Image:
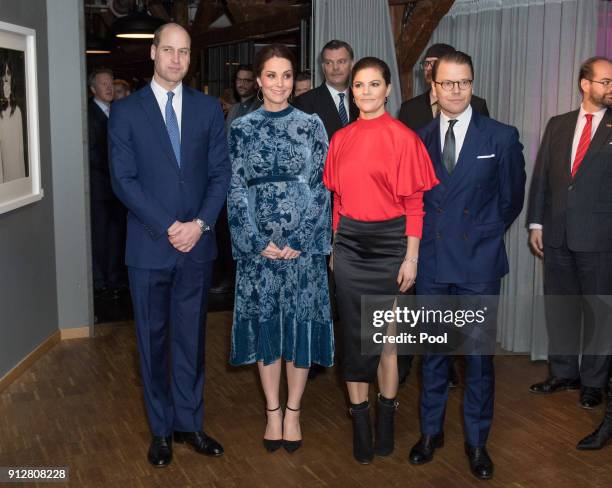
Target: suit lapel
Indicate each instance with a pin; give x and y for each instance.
(153, 112)
(565, 139)
(353, 110)
(435, 153)
(188, 115)
(474, 139)
(427, 113)
(601, 137)
(328, 102)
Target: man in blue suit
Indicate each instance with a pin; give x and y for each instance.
(481, 169)
(170, 167)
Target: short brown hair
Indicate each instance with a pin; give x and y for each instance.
(272, 51)
(586, 69)
(336, 44)
(456, 57)
(119, 81)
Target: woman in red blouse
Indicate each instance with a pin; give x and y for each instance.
(377, 169)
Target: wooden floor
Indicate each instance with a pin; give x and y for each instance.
(81, 406)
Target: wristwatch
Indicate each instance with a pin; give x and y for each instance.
(204, 227)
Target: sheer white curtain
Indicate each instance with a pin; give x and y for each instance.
(366, 26)
(604, 32)
(526, 57)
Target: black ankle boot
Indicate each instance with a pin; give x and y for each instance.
(385, 425)
(363, 450)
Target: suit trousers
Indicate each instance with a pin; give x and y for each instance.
(170, 314)
(568, 275)
(479, 375)
(108, 229)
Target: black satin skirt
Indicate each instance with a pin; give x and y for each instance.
(367, 259)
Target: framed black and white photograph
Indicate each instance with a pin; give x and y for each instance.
(19, 139)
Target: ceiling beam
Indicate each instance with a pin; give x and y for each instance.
(180, 12)
(254, 29)
(413, 33)
(158, 10)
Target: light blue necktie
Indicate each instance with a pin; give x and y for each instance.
(173, 128)
(342, 110)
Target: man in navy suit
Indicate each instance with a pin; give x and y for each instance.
(481, 169)
(171, 169)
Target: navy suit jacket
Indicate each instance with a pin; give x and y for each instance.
(147, 179)
(99, 173)
(468, 213)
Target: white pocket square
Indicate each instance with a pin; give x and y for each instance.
(485, 156)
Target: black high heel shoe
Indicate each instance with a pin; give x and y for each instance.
(272, 445)
(292, 446)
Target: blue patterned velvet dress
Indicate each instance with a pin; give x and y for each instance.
(277, 195)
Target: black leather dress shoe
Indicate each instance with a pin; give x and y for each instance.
(160, 452)
(590, 397)
(481, 465)
(554, 384)
(200, 442)
(422, 452)
(597, 439)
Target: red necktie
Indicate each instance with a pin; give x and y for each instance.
(583, 144)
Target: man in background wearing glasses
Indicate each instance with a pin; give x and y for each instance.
(421, 110)
(244, 87)
(570, 228)
(481, 169)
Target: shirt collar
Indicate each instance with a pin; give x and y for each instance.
(462, 119)
(596, 115)
(161, 91)
(335, 92)
(103, 105)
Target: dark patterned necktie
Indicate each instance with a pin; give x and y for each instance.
(448, 154)
(342, 110)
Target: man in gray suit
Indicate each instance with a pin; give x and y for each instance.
(570, 222)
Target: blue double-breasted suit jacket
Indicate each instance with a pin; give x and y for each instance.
(467, 214)
(462, 253)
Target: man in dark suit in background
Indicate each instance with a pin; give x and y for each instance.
(481, 169)
(107, 212)
(170, 167)
(570, 221)
(415, 114)
(421, 110)
(332, 100)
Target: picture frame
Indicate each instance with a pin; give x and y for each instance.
(20, 181)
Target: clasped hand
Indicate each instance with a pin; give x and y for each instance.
(184, 235)
(272, 251)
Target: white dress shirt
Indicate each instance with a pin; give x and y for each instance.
(581, 122)
(459, 129)
(105, 107)
(161, 95)
(334, 94)
(597, 118)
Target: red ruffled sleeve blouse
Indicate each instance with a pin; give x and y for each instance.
(378, 169)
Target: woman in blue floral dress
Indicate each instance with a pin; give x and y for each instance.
(279, 218)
